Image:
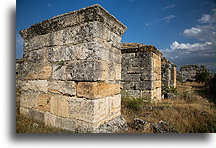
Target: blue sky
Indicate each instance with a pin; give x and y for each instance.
(184, 30)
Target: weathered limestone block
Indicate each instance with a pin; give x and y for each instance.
(29, 99)
(62, 87)
(143, 85)
(44, 102)
(95, 111)
(35, 85)
(61, 53)
(43, 72)
(94, 90)
(91, 111)
(24, 111)
(59, 72)
(87, 70)
(59, 105)
(133, 93)
(36, 115)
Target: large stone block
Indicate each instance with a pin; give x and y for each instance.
(39, 72)
(62, 87)
(36, 115)
(131, 77)
(44, 102)
(29, 99)
(59, 105)
(144, 85)
(61, 53)
(91, 111)
(35, 85)
(86, 71)
(113, 105)
(59, 72)
(94, 90)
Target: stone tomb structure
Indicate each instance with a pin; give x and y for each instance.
(168, 73)
(72, 70)
(189, 72)
(141, 71)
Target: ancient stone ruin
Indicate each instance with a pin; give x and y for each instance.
(74, 67)
(189, 72)
(168, 73)
(141, 71)
(72, 70)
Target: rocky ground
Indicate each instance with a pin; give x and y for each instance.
(191, 110)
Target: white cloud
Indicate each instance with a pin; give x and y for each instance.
(167, 19)
(205, 18)
(169, 6)
(190, 47)
(192, 32)
(201, 52)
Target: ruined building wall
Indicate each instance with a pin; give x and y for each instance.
(141, 71)
(189, 72)
(168, 73)
(72, 70)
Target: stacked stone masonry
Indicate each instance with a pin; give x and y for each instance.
(71, 71)
(189, 72)
(141, 71)
(74, 67)
(168, 73)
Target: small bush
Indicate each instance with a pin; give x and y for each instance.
(204, 76)
(169, 89)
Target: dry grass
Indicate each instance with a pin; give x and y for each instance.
(189, 113)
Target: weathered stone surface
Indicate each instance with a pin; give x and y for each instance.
(91, 111)
(36, 115)
(117, 124)
(59, 105)
(35, 85)
(59, 72)
(163, 127)
(189, 72)
(43, 72)
(44, 102)
(61, 53)
(168, 73)
(84, 70)
(24, 111)
(62, 87)
(70, 56)
(29, 99)
(94, 90)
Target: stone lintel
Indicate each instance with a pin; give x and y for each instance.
(135, 47)
(88, 14)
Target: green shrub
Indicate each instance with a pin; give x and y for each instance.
(204, 76)
(169, 89)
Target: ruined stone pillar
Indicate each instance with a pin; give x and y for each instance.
(173, 76)
(168, 73)
(141, 71)
(72, 71)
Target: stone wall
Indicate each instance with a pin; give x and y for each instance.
(168, 73)
(141, 71)
(189, 72)
(72, 70)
